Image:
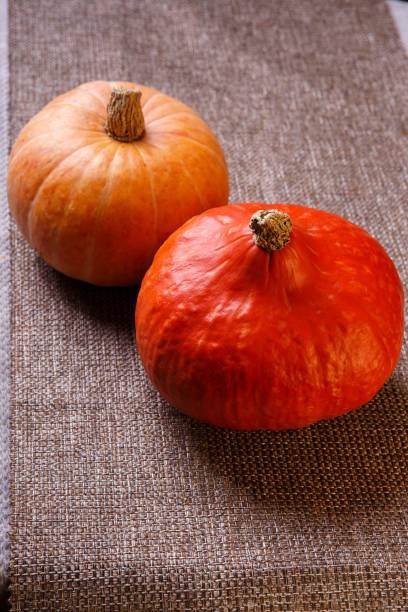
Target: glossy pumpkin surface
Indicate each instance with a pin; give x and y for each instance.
(96, 208)
(242, 338)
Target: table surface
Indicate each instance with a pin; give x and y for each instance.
(399, 11)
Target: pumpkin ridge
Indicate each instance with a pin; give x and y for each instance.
(176, 113)
(267, 273)
(186, 172)
(193, 154)
(188, 175)
(218, 270)
(201, 144)
(100, 206)
(93, 94)
(17, 151)
(43, 182)
(168, 101)
(240, 307)
(72, 104)
(199, 281)
(181, 128)
(228, 244)
(145, 104)
(152, 190)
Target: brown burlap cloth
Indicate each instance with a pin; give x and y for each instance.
(119, 502)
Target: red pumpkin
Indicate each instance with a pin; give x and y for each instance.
(294, 319)
(104, 173)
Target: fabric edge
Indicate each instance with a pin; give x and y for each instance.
(4, 304)
(399, 13)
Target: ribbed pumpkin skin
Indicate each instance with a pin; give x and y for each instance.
(240, 338)
(97, 209)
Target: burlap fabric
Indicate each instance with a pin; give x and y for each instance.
(119, 502)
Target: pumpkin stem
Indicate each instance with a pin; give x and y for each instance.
(271, 229)
(125, 121)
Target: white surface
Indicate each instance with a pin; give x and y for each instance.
(4, 297)
(399, 10)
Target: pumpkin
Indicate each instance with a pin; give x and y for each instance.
(104, 173)
(257, 316)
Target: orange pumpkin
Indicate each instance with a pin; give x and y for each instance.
(269, 319)
(101, 176)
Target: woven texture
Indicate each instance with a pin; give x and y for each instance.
(119, 502)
